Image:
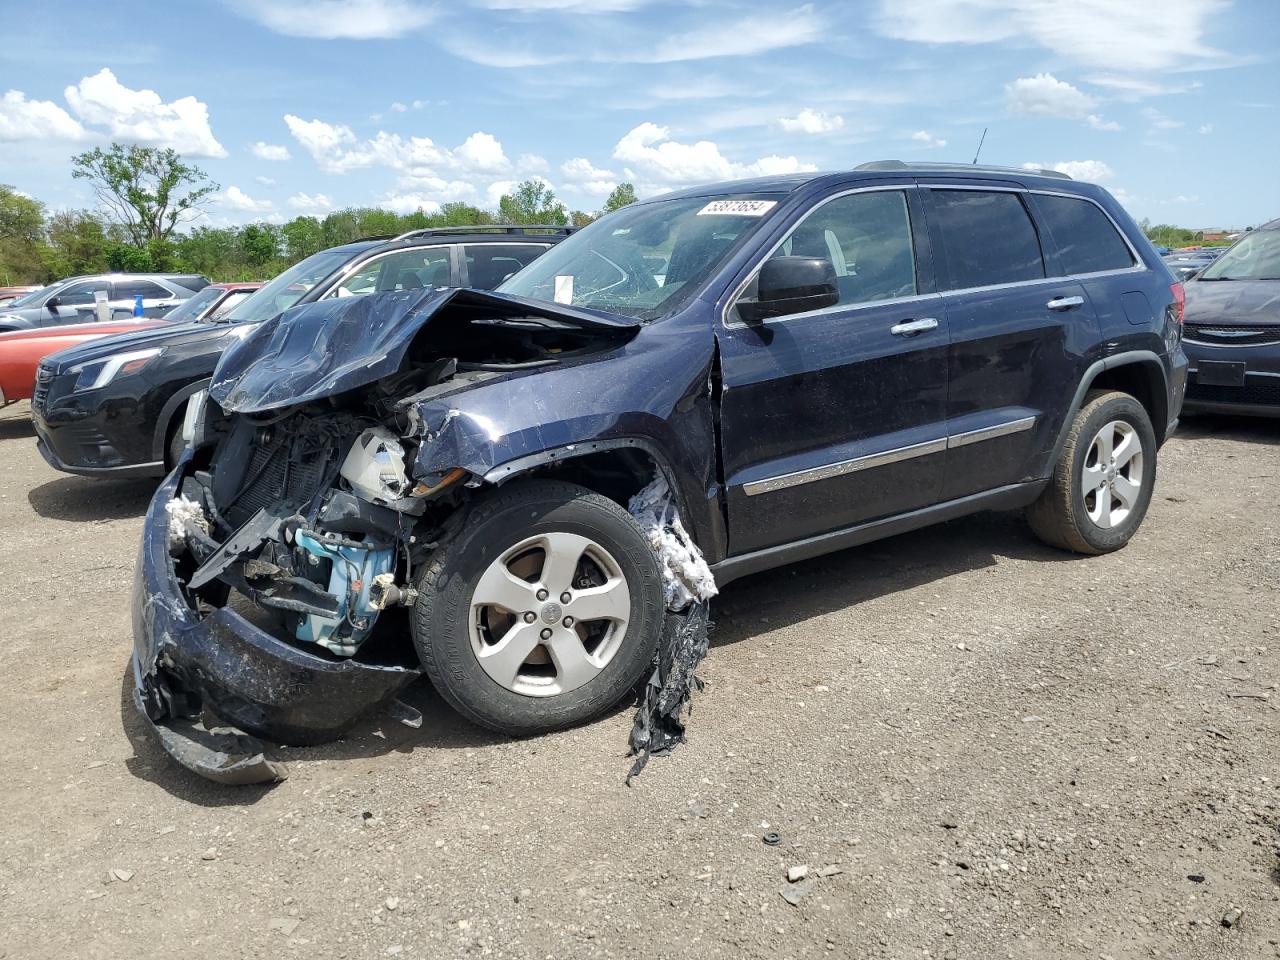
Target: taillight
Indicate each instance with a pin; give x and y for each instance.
(1179, 300)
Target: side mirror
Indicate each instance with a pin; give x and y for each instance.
(791, 285)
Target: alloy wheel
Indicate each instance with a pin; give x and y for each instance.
(1111, 479)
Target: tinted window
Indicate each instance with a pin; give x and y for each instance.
(488, 264)
(225, 306)
(82, 293)
(128, 289)
(194, 307)
(988, 238)
(867, 239)
(1085, 237)
(285, 290)
(191, 283)
(419, 268)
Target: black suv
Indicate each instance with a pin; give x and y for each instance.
(519, 492)
(115, 406)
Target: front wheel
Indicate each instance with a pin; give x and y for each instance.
(1102, 484)
(543, 611)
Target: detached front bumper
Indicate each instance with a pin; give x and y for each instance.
(246, 677)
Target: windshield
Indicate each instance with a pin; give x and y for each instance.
(192, 307)
(285, 290)
(29, 299)
(644, 260)
(1256, 257)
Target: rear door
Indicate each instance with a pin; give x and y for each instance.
(1018, 331)
(834, 417)
(156, 300)
(75, 303)
(485, 265)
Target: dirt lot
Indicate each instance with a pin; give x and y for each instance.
(1004, 751)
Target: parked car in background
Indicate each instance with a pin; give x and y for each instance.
(1187, 263)
(782, 367)
(22, 350)
(9, 294)
(1233, 329)
(116, 406)
(73, 300)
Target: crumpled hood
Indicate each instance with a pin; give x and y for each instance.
(334, 345)
(1233, 301)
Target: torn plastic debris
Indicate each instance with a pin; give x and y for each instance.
(689, 585)
(184, 515)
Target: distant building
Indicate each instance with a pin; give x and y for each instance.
(1208, 236)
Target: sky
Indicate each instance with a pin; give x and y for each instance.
(305, 106)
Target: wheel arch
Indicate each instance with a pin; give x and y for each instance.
(1139, 373)
(171, 409)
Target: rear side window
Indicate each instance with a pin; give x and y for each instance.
(128, 289)
(488, 264)
(1087, 240)
(191, 283)
(987, 237)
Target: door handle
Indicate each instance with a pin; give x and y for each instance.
(1065, 303)
(909, 328)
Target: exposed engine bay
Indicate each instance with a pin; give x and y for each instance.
(319, 512)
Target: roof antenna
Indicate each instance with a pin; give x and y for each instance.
(981, 140)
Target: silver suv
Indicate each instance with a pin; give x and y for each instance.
(72, 300)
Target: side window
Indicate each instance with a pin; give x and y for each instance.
(867, 238)
(488, 264)
(225, 307)
(81, 294)
(128, 289)
(418, 268)
(1086, 239)
(987, 238)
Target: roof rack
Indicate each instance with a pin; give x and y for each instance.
(985, 168)
(518, 229)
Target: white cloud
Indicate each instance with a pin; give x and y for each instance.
(1047, 96)
(582, 176)
(928, 139)
(23, 119)
(1159, 121)
(1091, 170)
(140, 115)
(270, 151)
(265, 181)
(746, 36)
(398, 107)
(482, 152)
(1143, 36)
(565, 6)
(811, 121)
(655, 162)
(338, 19)
(1206, 128)
(1136, 88)
(237, 199)
(307, 203)
(533, 163)
(403, 203)
(1098, 123)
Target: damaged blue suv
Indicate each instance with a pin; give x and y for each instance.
(519, 492)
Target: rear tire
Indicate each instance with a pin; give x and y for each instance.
(542, 612)
(1102, 484)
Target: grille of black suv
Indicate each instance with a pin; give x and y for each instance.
(44, 376)
(1264, 391)
(1231, 336)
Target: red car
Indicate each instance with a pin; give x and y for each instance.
(22, 350)
(9, 294)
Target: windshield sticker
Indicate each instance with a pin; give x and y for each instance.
(564, 289)
(737, 208)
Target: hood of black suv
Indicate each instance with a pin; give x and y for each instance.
(334, 345)
(192, 335)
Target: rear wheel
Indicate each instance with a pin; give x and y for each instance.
(542, 612)
(1102, 484)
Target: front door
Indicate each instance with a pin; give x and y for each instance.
(837, 416)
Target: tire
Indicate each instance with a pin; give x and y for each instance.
(176, 443)
(471, 647)
(1091, 507)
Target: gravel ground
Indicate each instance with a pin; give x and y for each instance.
(979, 747)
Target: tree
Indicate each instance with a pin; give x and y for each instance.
(580, 218)
(302, 237)
(149, 191)
(21, 236)
(77, 243)
(622, 195)
(532, 201)
(260, 243)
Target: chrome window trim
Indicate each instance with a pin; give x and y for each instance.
(897, 455)
(1138, 265)
(361, 264)
(751, 274)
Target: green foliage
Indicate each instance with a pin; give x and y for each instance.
(532, 202)
(76, 242)
(303, 236)
(580, 218)
(622, 195)
(260, 243)
(21, 234)
(147, 191)
(127, 258)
